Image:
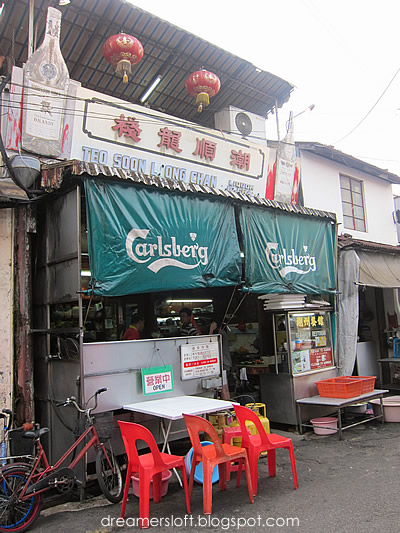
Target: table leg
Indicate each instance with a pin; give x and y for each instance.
(299, 419)
(340, 423)
(382, 409)
(166, 433)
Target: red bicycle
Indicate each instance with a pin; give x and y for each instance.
(22, 485)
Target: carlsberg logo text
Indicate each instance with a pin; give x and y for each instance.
(289, 261)
(161, 253)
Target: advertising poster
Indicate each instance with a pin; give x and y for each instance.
(301, 361)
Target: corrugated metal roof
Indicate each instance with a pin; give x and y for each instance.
(169, 50)
(52, 178)
(346, 241)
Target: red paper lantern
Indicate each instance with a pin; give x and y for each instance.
(122, 51)
(202, 84)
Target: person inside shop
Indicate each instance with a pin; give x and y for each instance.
(188, 323)
(133, 333)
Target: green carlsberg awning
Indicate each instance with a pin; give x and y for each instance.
(143, 241)
(287, 253)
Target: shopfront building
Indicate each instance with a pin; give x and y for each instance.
(110, 246)
(151, 213)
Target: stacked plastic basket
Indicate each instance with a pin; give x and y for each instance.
(346, 386)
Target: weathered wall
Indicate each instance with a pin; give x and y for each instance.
(321, 189)
(6, 315)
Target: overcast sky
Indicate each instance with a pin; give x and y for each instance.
(341, 56)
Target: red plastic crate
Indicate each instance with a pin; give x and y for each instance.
(368, 383)
(341, 387)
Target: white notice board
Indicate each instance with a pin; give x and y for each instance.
(199, 360)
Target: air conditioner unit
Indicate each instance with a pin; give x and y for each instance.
(242, 123)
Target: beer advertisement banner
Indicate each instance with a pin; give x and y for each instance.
(144, 241)
(287, 253)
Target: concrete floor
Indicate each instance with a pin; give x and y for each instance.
(344, 486)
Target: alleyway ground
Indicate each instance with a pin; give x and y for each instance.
(344, 486)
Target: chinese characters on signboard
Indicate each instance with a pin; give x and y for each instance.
(200, 360)
(157, 379)
(309, 321)
(127, 127)
(205, 149)
(156, 145)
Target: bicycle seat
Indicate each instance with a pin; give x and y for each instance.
(35, 434)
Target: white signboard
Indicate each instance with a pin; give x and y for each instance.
(115, 133)
(200, 360)
(123, 135)
(285, 169)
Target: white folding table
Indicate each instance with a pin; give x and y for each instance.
(173, 409)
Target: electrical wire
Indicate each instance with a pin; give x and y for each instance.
(119, 105)
(370, 111)
(30, 194)
(3, 152)
(145, 116)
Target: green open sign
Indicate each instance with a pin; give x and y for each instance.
(157, 379)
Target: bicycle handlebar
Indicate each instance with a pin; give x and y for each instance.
(72, 400)
(10, 414)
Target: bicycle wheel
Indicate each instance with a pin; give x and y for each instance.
(16, 514)
(110, 480)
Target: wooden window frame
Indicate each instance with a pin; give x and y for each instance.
(352, 181)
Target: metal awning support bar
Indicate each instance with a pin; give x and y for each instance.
(113, 372)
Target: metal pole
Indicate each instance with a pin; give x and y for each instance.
(30, 28)
(277, 120)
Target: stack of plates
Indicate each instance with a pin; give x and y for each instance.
(283, 301)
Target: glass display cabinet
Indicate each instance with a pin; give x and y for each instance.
(300, 343)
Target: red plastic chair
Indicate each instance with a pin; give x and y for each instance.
(228, 434)
(212, 455)
(149, 465)
(262, 441)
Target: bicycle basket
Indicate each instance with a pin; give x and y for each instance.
(104, 425)
(19, 445)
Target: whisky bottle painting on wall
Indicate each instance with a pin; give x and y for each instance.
(46, 82)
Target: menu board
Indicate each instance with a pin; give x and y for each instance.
(320, 358)
(311, 342)
(200, 360)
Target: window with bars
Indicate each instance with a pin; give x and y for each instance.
(352, 203)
